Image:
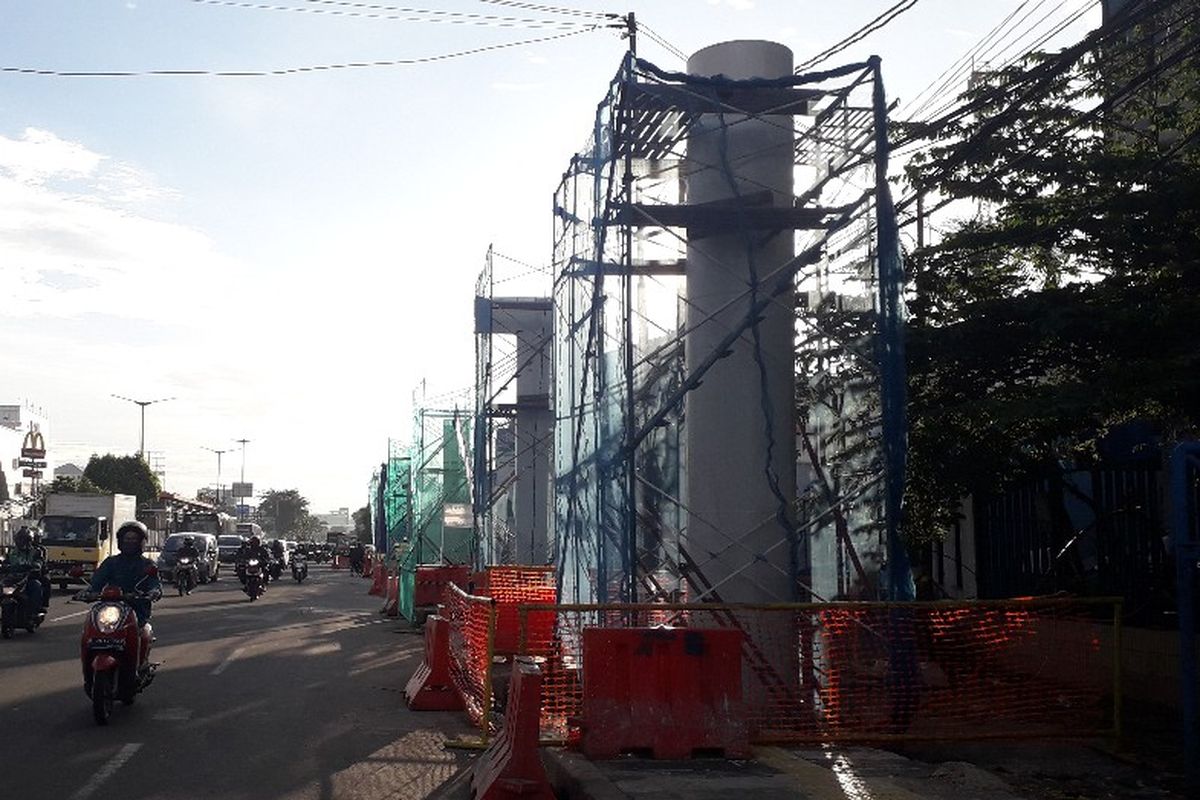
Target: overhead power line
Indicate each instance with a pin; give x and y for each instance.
(545, 9)
(860, 34)
(249, 73)
(348, 8)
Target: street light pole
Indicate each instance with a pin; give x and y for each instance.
(243, 443)
(219, 454)
(143, 404)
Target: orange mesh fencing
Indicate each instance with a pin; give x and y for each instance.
(876, 671)
(512, 586)
(472, 624)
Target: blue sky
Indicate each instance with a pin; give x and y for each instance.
(291, 255)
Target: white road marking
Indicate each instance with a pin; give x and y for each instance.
(173, 715)
(69, 616)
(217, 670)
(105, 772)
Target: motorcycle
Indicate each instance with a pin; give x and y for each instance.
(299, 567)
(185, 575)
(115, 650)
(276, 568)
(15, 611)
(252, 583)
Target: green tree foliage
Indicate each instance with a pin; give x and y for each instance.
(362, 525)
(66, 484)
(283, 512)
(1066, 299)
(123, 475)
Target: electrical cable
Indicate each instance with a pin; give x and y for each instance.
(397, 13)
(177, 73)
(545, 9)
(879, 22)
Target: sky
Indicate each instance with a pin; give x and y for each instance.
(290, 256)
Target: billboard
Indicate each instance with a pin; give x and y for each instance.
(241, 490)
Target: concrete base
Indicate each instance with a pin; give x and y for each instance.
(775, 774)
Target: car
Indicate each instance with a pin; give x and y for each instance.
(228, 547)
(208, 566)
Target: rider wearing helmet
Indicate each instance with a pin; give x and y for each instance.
(251, 548)
(28, 555)
(130, 570)
(188, 549)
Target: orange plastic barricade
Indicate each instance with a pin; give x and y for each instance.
(378, 581)
(431, 687)
(391, 603)
(510, 767)
(670, 692)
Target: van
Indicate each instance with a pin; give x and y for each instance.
(209, 566)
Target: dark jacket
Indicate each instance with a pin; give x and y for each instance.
(131, 573)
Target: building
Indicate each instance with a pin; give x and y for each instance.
(337, 521)
(68, 470)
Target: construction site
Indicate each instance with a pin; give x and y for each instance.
(666, 523)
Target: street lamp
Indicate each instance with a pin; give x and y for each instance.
(219, 454)
(243, 443)
(143, 404)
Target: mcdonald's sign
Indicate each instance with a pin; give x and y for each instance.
(34, 445)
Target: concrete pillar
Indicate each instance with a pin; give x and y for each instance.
(530, 320)
(534, 444)
(733, 533)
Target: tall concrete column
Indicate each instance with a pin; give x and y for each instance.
(733, 533)
(534, 443)
(530, 320)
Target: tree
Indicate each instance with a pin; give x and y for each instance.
(1067, 305)
(67, 484)
(123, 475)
(282, 512)
(362, 525)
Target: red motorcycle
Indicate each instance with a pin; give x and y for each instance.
(115, 650)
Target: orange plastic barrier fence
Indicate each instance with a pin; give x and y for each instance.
(512, 586)
(472, 622)
(877, 671)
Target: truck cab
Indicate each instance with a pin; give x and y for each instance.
(75, 546)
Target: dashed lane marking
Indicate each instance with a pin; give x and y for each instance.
(105, 772)
(229, 659)
(70, 616)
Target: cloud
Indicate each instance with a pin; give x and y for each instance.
(73, 240)
(39, 156)
(736, 5)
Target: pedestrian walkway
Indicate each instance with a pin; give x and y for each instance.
(775, 774)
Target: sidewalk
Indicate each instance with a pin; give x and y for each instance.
(1004, 771)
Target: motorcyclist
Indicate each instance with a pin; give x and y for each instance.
(28, 555)
(130, 570)
(357, 555)
(188, 550)
(251, 548)
(277, 551)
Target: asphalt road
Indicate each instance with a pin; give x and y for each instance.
(296, 696)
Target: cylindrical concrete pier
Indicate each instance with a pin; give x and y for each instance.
(733, 533)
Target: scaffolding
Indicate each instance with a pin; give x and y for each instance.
(621, 242)
(513, 421)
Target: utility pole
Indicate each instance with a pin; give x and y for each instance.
(240, 506)
(219, 454)
(143, 404)
(631, 519)
(243, 443)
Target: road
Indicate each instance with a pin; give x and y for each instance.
(295, 696)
